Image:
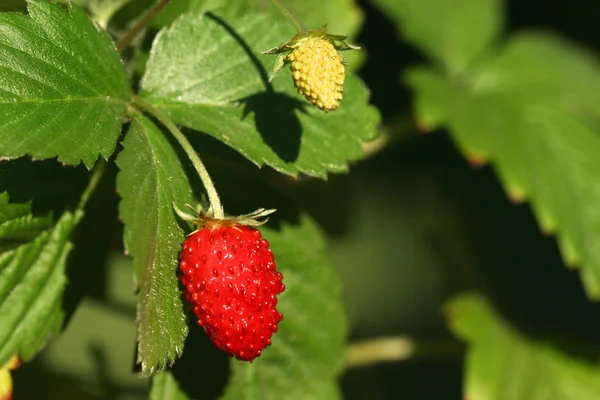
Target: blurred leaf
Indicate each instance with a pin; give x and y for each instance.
(208, 75)
(63, 89)
(165, 387)
(452, 32)
(150, 180)
(534, 111)
(32, 278)
(503, 364)
(308, 350)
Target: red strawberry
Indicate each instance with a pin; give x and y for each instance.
(230, 278)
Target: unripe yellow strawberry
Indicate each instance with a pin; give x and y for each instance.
(317, 66)
(318, 72)
(6, 387)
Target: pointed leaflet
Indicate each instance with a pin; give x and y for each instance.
(453, 32)
(165, 387)
(503, 364)
(32, 277)
(534, 111)
(17, 225)
(151, 179)
(207, 74)
(307, 353)
(63, 88)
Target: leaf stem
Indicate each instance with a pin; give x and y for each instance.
(398, 348)
(141, 24)
(213, 196)
(290, 16)
(97, 173)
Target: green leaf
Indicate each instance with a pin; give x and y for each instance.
(17, 225)
(101, 10)
(206, 74)
(175, 8)
(63, 88)
(341, 16)
(453, 32)
(165, 387)
(32, 278)
(308, 350)
(503, 364)
(150, 180)
(533, 111)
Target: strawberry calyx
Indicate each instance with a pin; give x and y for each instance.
(286, 48)
(208, 220)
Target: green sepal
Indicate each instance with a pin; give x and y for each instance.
(281, 48)
(280, 62)
(340, 45)
(336, 40)
(339, 38)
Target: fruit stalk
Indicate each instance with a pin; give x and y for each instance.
(213, 196)
(141, 24)
(290, 16)
(400, 348)
(95, 177)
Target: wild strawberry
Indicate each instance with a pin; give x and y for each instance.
(317, 67)
(230, 278)
(318, 72)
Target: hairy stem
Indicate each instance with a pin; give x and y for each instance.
(213, 196)
(140, 25)
(290, 16)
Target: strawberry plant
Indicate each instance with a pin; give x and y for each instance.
(297, 200)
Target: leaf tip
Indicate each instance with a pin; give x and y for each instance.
(477, 160)
(516, 197)
(570, 255)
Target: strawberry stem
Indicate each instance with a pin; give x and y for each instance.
(95, 177)
(213, 196)
(290, 16)
(141, 24)
(399, 348)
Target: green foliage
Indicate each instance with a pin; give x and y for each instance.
(341, 16)
(528, 104)
(308, 350)
(467, 29)
(504, 364)
(204, 72)
(535, 95)
(151, 179)
(32, 277)
(61, 83)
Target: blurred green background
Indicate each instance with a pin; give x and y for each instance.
(408, 227)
